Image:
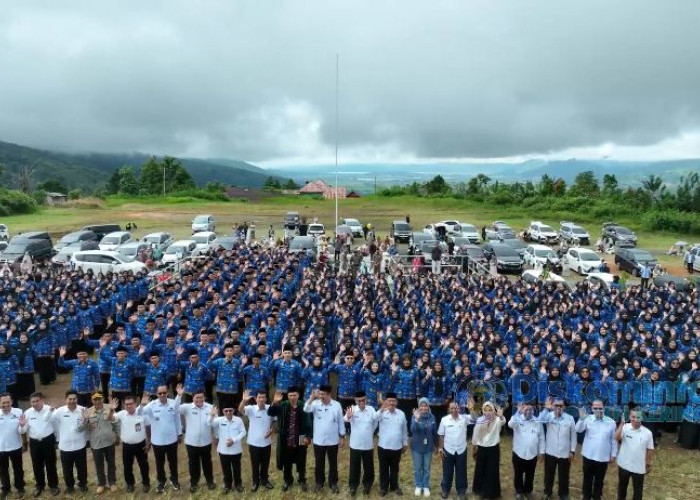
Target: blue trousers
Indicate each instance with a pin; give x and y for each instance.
(421, 469)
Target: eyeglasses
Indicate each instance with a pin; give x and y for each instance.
(597, 409)
(162, 393)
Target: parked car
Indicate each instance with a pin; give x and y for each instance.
(618, 235)
(37, 249)
(680, 284)
(582, 260)
(416, 238)
(301, 244)
(104, 261)
(400, 231)
(178, 251)
(291, 220)
(204, 241)
(203, 223)
(499, 230)
(473, 252)
(112, 240)
(316, 229)
(541, 233)
(532, 276)
(573, 234)
(66, 253)
(227, 242)
(354, 225)
(345, 231)
(452, 226)
(135, 250)
(603, 280)
(470, 231)
(633, 259)
(102, 230)
(517, 245)
(159, 240)
(4, 233)
(538, 255)
(505, 258)
(426, 249)
(75, 237)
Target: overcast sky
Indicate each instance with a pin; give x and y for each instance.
(255, 79)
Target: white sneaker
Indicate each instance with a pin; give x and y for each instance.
(418, 492)
(426, 492)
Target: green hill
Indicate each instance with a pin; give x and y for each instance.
(90, 170)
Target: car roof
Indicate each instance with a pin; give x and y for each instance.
(111, 253)
(117, 233)
(159, 233)
(537, 246)
(184, 242)
(207, 233)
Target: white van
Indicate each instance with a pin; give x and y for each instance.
(102, 261)
(203, 223)
(179, 250)
(204, 241)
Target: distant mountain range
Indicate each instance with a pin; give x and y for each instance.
(89, 170)
(363, 176)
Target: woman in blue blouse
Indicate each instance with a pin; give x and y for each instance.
(423, 442)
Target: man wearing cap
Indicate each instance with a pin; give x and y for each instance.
(599, 448)
(135, 444)
(86, 375)
(362, 427)
(165, 433)
(196, 375)
(393, 440)
(287, 371)
(101, 434)
(259, 432)
(11, 419)
(256, 376)
(560, 446)
(328, 433)
(169, 357)
(70, 422)
(156, 375)
(37, 424)
(229, 432)
(294, 428)
(121, 374)
(227, 377)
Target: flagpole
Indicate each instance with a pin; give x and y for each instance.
(337, 84)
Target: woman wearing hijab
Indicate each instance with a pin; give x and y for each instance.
(25, 372)
(424, 430)
(486, 451)
(8, 371)
(436, 385)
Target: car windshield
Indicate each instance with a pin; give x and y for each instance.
(546, 229)
(468, 228)
(461, 241)
(476, 253)
(352, 222)
(153, 239)
(643, 256)
(545, 254)
(505, 251)
(578, 230)
(15, 248)
(3, 227)
(427, 245)
(69, 238)
(623, 230)
(175, 249)
(200, 219)
(110, 240)
(199, 239)
(316, 227)
(299, 244)
(515, 243)
(402, 227)
(129, 250)
(589, 256)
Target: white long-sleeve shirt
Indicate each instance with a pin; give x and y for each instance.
(10, 439)
(164, 420)
(197, 430)
(70, 428)
(599, 443)
(362, 427)
(528, 436)
(560, 440)
(393, 433)
(225, 429)
(329, 425)
(39, 424)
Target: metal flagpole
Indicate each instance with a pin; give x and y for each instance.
(337, 83)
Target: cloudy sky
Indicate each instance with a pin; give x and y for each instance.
(440, 79)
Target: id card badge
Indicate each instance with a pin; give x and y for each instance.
(425, 441)
(137, 427)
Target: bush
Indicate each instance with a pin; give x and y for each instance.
(16, 202)
(75, 194)
(671, 220)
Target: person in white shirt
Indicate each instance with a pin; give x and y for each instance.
(599, 448)
(69, 422)
(10, 446)
(165, 433)
(362, 426)
(197, 437)
(328, 433)
(453, 449)
(486, 441)
(392, 443)
(528, 445)
(560, 446)
(229, 432)
(135, 443)
(259, 432)
(634, 456)
(42, 444)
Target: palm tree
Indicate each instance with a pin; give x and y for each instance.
(654, 185)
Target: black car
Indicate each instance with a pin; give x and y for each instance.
(37, 249)
(505, 257)
(517, 245)
(75, 237)
(618, 235)
(291, 220)
(633, 259)
(102, 229)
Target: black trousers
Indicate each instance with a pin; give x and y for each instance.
(361, 460)
(74, 459)
(25, 385)
(198, 460)
(105, 456)
(209, 391)
(161, 452)
(231, 468)
(623, 479)
(46, 369)
(389, 461)
(553, 465)
(260, 463)
(225, 400)
(320, 454)
(104, 382)
(523, 474)
(14, 456)
(129, 453)
(593, 477)
(43, 453)
(294, 456)
(137, 384)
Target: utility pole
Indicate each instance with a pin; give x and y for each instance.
(337, 84)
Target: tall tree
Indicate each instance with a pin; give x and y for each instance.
(655, 186)
(610, 185)
(585, 184)
(437, 185)
(128, 183)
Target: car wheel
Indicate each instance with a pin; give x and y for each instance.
(579, 270)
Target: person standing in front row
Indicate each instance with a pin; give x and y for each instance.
(259, 432)
(328, 434)
(135, 443)
(165, 433)
(392, 443)
(599, 449)
(11, 419)
(229, 432)
(197, 437)
(634, 456)
(528, 445)
(423, 443)
(100, 424)
(453, 449)
(37, 425)
(293, 437)
(560, 447)
(69, 421)
(487, 452)
(362, 426)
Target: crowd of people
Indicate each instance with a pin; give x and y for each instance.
(420, 359)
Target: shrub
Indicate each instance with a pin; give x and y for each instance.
(16, 202)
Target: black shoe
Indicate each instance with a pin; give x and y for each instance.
(129, 488)
(193, 489)
(304, 487)
(255, 487)
(240, 489)
(20, 493)
(211, 486)
(83, 489)
(175, 485)
(286, 486)
(226, 491)
(160, 488)
(268, 485)
(55, 491)
(38, 491)
(318, 488)
(444, 495)
(69, 491)
(366, 490)
(335, 489)
(382, 493)
(398, 491)
(353, 492)
(4, 494)
(146, 488)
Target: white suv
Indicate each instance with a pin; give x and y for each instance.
(204, 241)
(582, 260)
(100, 261)
(203, 223)
(542, 233)
(537, 255)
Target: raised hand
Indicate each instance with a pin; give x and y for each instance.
(348, 412)
(62, 351)
(416, 414)
(277, 398)
(114, 404)
(214, 412)
(180, 389)
(145, 399)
